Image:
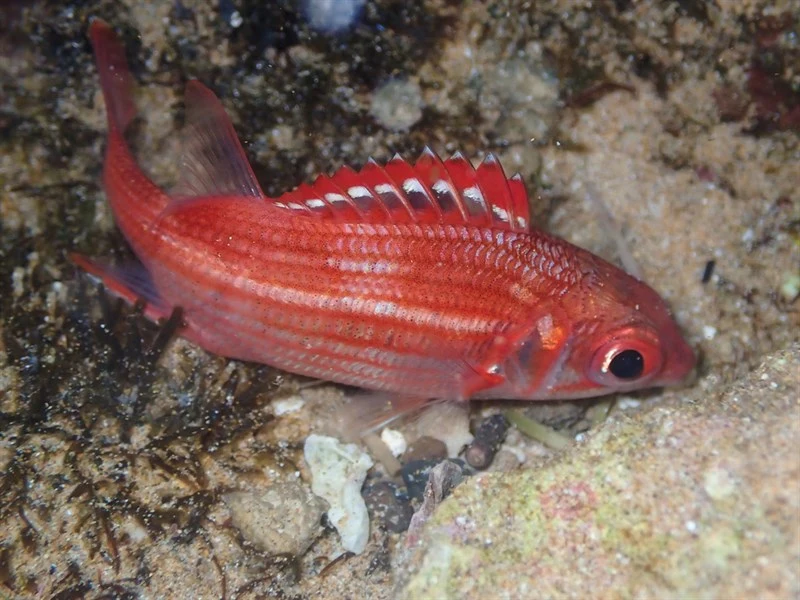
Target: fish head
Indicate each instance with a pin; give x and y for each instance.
(611, 333)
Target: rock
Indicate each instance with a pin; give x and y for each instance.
(442, 480)
(338, 471)
(332, 16)
(425, 448)
(489, 434)
(397, 104)
(683, 500)
(388, 506)
(416, 474)
(284, 519)
(446, 421)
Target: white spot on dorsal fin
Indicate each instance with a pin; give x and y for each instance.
(412, 185)
(501, 213)
(440, 186)
(384, 188)
(474, 194)
(359, 191)
(331, 197)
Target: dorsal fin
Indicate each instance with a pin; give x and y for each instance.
(430, 191)
(213, 161)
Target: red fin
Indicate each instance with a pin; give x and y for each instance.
(488, 372)
(519, 201)
(413, 186)
(494, 184)
(339, 205)
(365, 200)
(432, 171)
(430, 191)
(130, 283)
(213, 161)
(371, 411)
(470, 194)
(383, 189)
(115, 77)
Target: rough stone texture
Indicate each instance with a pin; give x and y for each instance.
(116, 453)
(687, 500)
(282, 519)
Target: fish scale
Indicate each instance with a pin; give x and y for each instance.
(425, 279)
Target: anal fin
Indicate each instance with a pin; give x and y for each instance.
(130, 282)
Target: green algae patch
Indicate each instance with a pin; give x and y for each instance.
(682, 500)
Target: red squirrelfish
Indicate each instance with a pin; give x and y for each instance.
(421, 280)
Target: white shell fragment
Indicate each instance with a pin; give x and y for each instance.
(395, 441)
(337, 473)
(284, 406)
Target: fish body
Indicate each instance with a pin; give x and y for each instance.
(423, 280)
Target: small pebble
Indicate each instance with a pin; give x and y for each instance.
(790, 288)
(449, 422)
(425, 448)
(489, 435)
(397, 104)
(284, 406)
(415, 476)
(331, 16)
(388, 506)
(708, 271)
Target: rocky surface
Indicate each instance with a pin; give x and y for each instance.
(118, 448)
(690, 499)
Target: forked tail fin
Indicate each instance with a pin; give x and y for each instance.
(115, 77)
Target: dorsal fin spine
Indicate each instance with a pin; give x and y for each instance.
(464, 177)
(389, 181)
(437, 175)
(402, 173)
(490, 175)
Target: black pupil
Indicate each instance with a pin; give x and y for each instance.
(628, 364)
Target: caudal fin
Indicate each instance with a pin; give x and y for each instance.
(115, 77)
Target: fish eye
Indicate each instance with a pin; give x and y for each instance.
(628, 358)
(628, 364)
